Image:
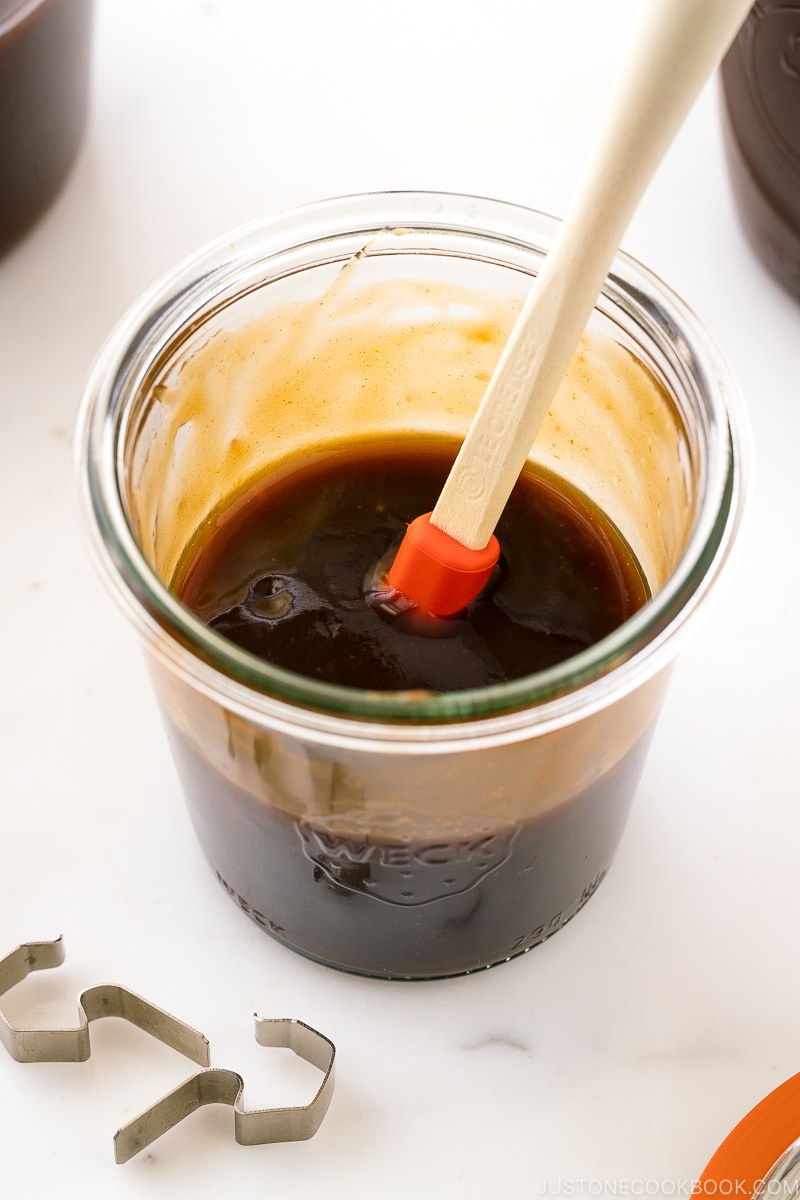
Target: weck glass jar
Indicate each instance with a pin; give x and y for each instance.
(396, 834)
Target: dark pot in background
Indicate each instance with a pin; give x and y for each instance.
(761, 122)
(45, 50)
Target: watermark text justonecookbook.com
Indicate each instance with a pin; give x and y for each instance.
(607, 1189)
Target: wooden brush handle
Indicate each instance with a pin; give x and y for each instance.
(679, 44)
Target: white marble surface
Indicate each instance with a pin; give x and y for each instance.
(611, 1060)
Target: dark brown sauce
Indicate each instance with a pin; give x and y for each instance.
(475, 892)
(286, 574)
(386, 865)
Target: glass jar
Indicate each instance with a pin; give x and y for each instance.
(761, 124)
(396, 834)
(44, 98)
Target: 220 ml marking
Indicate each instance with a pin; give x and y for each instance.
(528, 940)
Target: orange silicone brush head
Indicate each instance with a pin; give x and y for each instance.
(436, 572)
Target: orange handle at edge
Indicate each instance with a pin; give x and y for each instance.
(752, 1148)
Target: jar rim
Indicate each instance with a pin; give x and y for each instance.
(614, 666)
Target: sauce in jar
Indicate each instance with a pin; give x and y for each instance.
(287, 570)
(292, 571)
(274, 464)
